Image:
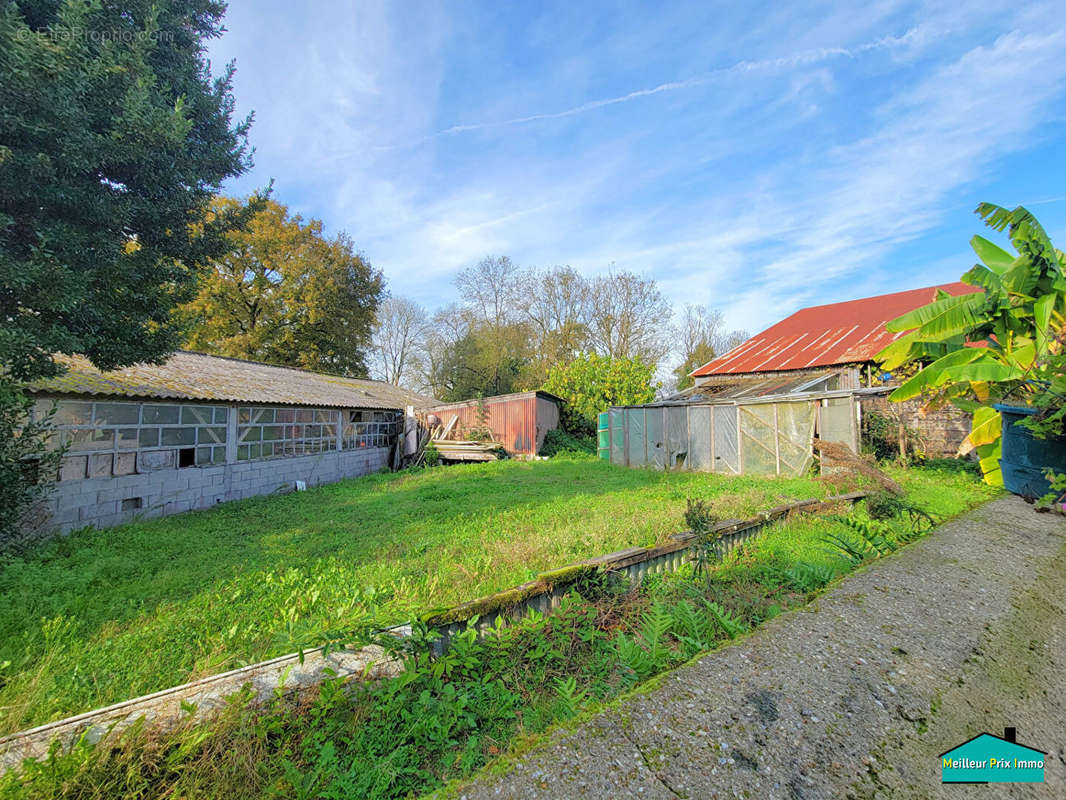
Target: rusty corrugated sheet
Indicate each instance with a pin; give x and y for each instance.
(518, 421)
(821, 336)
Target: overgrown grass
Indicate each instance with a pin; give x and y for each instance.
(102, 616)
(443, 719)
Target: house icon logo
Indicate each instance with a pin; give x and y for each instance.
(992, 759)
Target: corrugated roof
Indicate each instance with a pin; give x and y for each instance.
(821, 336)
(196, 376)
(498, 398)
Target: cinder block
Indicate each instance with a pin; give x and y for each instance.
(73, 468)
(155, 460)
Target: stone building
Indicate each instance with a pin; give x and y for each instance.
(832, 347)
(151, 440)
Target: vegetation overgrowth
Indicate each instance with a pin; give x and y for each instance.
(444, 718)
(102, 616)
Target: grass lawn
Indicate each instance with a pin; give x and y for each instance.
(102, 616)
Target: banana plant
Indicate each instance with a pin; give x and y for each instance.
(1004, 342)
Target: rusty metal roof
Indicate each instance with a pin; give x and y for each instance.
(822, 336)
(196, 376)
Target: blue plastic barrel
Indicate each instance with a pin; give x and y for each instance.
(1024, 457)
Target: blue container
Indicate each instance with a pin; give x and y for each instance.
(1024, 458)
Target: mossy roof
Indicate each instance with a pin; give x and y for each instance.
(197, 376)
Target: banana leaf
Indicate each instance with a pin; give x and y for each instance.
(952, 316)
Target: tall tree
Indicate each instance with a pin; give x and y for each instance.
(628, 318)
(114, 136)
(113, 139)
(287, 295)
(398, 341)
(554, 304)
(700, 337)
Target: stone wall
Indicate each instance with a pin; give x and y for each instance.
(939, 432)
(107, 501)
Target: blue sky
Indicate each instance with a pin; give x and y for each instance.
(754, 158)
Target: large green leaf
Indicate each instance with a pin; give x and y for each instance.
(989, 455)
(987, 428)
(935, 374)
(1042, 309)
(942, 319)
(995, 257)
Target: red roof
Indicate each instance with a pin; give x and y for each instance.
(820, 336)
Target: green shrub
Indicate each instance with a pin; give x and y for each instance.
(559, 441)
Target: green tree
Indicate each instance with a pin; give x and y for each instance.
(114, 136)
(591, 382)
(1019, 321)
(285, 294)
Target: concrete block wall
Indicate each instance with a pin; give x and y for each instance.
(108, 501)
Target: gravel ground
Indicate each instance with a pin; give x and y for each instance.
(853, 696)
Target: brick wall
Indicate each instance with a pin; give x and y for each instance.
(108, 501)
(940, 432)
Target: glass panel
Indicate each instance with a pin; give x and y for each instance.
(726, 444)
(243, 453)
(305, 415)
(285, 415)
(253, 433)
(244, 416)
(196, 415)
(795, 425)
(127, 438)
(758, 440)
(219, 456)
(159, 415)
(73, 412)
(676, 436)
(149, 437)
(211, 435)
(616, 420)
(179, 437)
(221, 415)
(836, 421)
(636, 443)
(699, 439)
(203, 455)
(653, 422)
(117, 414)
(90, 439)
(272, 432)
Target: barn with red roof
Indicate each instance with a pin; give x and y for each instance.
(837, 341)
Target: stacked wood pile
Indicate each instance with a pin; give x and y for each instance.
(444, 439)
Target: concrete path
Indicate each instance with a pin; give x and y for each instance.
(854, 696)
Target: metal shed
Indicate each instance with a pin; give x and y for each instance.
(752, 434)
(518, 421)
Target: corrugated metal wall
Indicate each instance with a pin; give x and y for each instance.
(519, 422)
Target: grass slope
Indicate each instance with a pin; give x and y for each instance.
(103, 616)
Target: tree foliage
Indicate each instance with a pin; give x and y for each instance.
(114, 136)
(591, 383)
(397, 341)
(113, 139)
(286, 294)
(700, 337)
(1018, 322)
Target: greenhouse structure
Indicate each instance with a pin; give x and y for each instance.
(736, 432)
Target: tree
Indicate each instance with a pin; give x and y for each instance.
(700, 338)
(111, 147)
(628, 318)
(554, 304)
(591, 383)
(285, 294)
(113, 138)
(398, 341)
(1019, 319)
